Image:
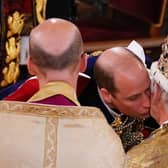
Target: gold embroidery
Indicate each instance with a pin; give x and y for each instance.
(51, 143)
(116, 125)
(152, 152)
(50, 110)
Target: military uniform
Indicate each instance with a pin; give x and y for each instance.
(131, 130)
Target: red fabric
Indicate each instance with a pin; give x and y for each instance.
(25, 91)
(31, 86)
(146, 132)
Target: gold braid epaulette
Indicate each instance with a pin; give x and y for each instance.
(96, 53)
(116, 125)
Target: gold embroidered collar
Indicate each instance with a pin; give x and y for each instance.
(55, 88)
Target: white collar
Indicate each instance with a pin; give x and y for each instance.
(162, 125)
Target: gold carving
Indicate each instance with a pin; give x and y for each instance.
(40, 10)
(15, 23)
(10, 73)
(12, 49)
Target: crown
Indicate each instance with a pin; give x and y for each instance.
(163, 60)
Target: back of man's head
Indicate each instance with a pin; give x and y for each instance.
(55, 44)
(111, 63)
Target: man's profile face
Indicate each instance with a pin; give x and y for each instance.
(133, 95)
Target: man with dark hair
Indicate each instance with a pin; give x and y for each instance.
(116, 68)
(123, 93)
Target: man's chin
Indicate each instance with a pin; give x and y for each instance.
(145, 115)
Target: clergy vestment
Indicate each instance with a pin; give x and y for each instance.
(152, 152)
(50, 136)
(55, 93)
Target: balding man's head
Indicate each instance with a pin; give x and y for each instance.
(111, 63)
(124, 82)
(55, 44)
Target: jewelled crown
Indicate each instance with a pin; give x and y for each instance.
(163, 60)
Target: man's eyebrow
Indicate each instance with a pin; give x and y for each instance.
(133, 96)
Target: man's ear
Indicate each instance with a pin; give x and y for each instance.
(30, 66)
(107, 97)
(83, 63)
